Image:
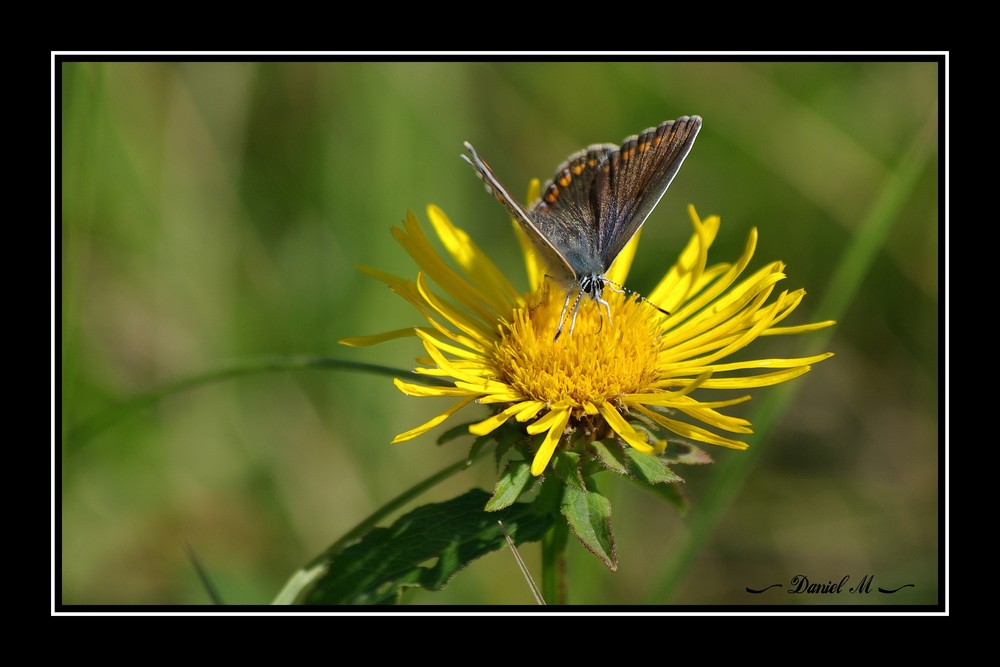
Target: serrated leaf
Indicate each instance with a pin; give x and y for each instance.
(588, 514)
(610, 457)
(650, 468)
(514, 481)
(566, 466)
(425, 547)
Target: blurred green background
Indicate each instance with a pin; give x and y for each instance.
(215, 213)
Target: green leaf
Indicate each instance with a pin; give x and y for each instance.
(566, 466)
(588, 514)
(610, 457)
(425, 547)
(650, 468)
(514, 481)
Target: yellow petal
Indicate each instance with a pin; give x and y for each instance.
(548, 446)
(684, 276)
(553, 416)
(763, 380)
(411, 389)
(686, 430)
(533, 263)
(528, 410)
(802, 328)
(423, 428)
(492, 423)
(481, 271)
(624, 429)
(416, 243)
(476, 328)
(365, 341)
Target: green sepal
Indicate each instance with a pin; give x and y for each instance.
(610, 457)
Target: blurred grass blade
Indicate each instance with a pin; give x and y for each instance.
(871, 235)
(206, 581)
(522, 566)
(854, 265)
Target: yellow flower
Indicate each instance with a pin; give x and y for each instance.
(497, 346)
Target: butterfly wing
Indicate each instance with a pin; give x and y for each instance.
(630, 183)
(599, 196)
(538, 237)
(566, 212)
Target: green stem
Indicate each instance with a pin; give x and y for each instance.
(554, 562)
(81, 433)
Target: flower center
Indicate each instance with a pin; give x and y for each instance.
(598, 362)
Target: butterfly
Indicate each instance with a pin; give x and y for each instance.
(595, 203)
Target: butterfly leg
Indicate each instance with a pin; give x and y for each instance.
(576, 311)
(596, 291)
(607, 307)
(562, 315)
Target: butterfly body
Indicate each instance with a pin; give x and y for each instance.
(595, 203)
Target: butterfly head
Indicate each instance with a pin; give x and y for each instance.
(593, 285)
